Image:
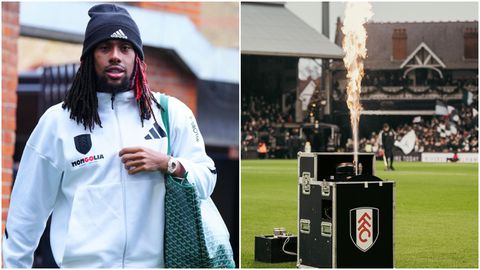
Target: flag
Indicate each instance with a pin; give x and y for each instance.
(450, 109)
(417, 119)
(452, 112)
(441, 108)
(407, 143)
(306, 95)
(467, 97)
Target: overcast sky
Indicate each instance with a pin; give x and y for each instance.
(389, 11)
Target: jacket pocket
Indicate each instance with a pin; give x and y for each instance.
(96, 232)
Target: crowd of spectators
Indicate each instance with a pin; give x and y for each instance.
(457, 132)
(263, 125)
(258, 117)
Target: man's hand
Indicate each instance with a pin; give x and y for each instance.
(140, 159)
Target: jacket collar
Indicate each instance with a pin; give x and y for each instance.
(105, 99)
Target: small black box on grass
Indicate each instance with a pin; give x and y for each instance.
(344, 220)
(268, 248)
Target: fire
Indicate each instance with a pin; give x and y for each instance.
(354, 46)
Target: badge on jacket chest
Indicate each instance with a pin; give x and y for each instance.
(83, 143)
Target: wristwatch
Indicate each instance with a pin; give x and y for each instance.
(172, 165)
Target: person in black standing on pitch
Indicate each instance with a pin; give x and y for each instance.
(387, 136)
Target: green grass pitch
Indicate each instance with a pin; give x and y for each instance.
(436, 215)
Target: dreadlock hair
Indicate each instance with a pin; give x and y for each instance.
(82, 100)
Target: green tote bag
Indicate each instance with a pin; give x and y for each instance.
(195, 233)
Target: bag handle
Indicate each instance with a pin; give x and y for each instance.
(166, 123)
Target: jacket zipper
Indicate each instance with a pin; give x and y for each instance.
(112, 98)
(122, 180)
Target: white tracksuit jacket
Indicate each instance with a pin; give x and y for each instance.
(101, 216)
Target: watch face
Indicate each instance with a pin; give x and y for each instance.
(172, 165)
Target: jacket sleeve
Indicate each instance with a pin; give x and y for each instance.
(188, 147)
(31, 201)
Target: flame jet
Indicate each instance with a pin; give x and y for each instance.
(354, 46)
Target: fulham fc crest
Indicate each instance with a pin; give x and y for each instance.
(364, 227)
(83, 143)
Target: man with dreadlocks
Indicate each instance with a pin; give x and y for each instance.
(97, 162)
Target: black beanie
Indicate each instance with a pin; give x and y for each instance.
(108, 21)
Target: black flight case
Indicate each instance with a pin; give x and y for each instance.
(344, 220)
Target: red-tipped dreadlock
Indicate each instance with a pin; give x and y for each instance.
(143, 95)
(139, 78)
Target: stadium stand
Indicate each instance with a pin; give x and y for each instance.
(456, 132)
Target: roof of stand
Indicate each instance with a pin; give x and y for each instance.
(271, 29)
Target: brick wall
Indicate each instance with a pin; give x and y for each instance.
(190, 9)
(10, 32)
(217, 21)
(166, 74)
